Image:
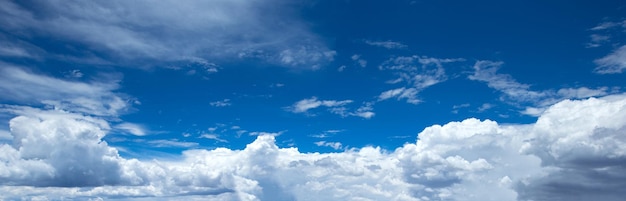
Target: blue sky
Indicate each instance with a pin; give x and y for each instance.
(162, 78)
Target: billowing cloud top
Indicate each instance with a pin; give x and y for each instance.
(575, 151)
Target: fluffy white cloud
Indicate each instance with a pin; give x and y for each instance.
(168, 31)
(575, 151)
(612, 63)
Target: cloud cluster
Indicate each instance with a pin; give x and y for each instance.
(334, 106)
(170, 31)
(575, 151)
(416, 73)
(604, 34)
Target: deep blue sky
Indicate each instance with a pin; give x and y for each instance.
(247, 73)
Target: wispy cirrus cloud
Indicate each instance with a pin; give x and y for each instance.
(603, 33)
(222, 103)
(386, 44)
(613, 63)
(29, 88)
(168, 31)
(521, 94)
(132, 128)
(305, 105)
(338, 107)
(416, 73)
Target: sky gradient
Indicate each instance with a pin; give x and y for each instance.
(312, 100)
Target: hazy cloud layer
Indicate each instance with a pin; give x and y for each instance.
(575, 151)
(169, 31)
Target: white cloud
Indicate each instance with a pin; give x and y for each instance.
(170, 31)
(418, 73)
(485, 71)
(461, 106)
(582, 92)
(305, 105)
(612, 63)
(222, 103)
(357, 58)
(264, 133)
(597, 40)
(212, 137)
(334, 145)
(277, 85)
(608, 25)
(386, 44)
(533, 111)
(341, 68)
(573, 145)
(132, 128)
(518, 93)
(172, 143)
(74, 74)
(485, 107)
(410, 94)
(326, 134)
(96, 98)
(365, 111)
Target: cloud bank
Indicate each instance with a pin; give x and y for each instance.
(575, 151)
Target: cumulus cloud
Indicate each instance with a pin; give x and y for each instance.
(167, 31)
(575, 151)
